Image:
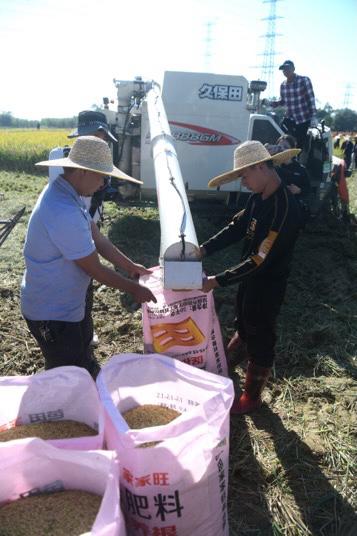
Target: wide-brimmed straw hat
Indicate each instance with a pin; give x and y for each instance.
(92, 154)
(89, 122)
(248, 154)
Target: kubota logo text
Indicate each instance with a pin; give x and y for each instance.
(197, 135)
(221, 92)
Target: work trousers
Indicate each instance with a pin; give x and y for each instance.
(299, 131)
(257, 307)
(67, 343)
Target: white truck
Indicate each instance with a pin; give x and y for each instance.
(209, 115)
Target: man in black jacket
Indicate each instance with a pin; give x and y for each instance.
(269, 225)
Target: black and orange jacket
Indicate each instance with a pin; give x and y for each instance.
(269, 228)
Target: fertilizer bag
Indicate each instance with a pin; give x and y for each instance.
(30, 467)
(178, 485)
(59, 394)
(183, 325)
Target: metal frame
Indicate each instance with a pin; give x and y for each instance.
(6, 226)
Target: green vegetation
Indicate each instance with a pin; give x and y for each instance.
(20, 149)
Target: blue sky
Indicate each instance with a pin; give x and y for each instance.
(60, 57)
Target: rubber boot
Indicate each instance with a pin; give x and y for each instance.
(236, 351)
(255, 380)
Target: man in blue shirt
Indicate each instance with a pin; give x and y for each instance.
(61, 256)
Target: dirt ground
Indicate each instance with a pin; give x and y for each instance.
(293, 463)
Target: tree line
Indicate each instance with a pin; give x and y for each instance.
(7, 120)
(344, 120)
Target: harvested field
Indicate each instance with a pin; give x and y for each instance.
(292, 464)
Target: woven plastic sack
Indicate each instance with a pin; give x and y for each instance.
(178, 486)
(62, 393)
(32, 466)
(183, 325)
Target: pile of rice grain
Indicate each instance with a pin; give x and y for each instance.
(149, 415)
(64, 513)
(65, 429)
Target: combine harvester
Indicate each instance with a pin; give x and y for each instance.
(197, 120)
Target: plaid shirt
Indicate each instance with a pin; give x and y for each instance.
(299, 99)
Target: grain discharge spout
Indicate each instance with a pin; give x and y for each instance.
(179, 249)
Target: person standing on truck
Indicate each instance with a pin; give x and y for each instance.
(297, 95)
(61, 251)
(269, 225)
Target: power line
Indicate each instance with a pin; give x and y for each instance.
(209, 39)
(347, 96)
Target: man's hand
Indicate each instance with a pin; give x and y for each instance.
(294, 189)
(209, 283)
(264, 102)
(142, 294)
(137, 270)
(93, 267)
(202, 251)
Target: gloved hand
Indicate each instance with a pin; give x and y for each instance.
(314, 122)
(264, 102)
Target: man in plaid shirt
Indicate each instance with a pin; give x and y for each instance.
(297, 95)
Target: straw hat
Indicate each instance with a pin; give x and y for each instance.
(248, 154)
(92, 154)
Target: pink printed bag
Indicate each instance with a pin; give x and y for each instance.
(178, 486)
(62, 393)
(183, 325)
(32, 466)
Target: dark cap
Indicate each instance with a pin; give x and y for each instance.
(288, 64)
(89, 122)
